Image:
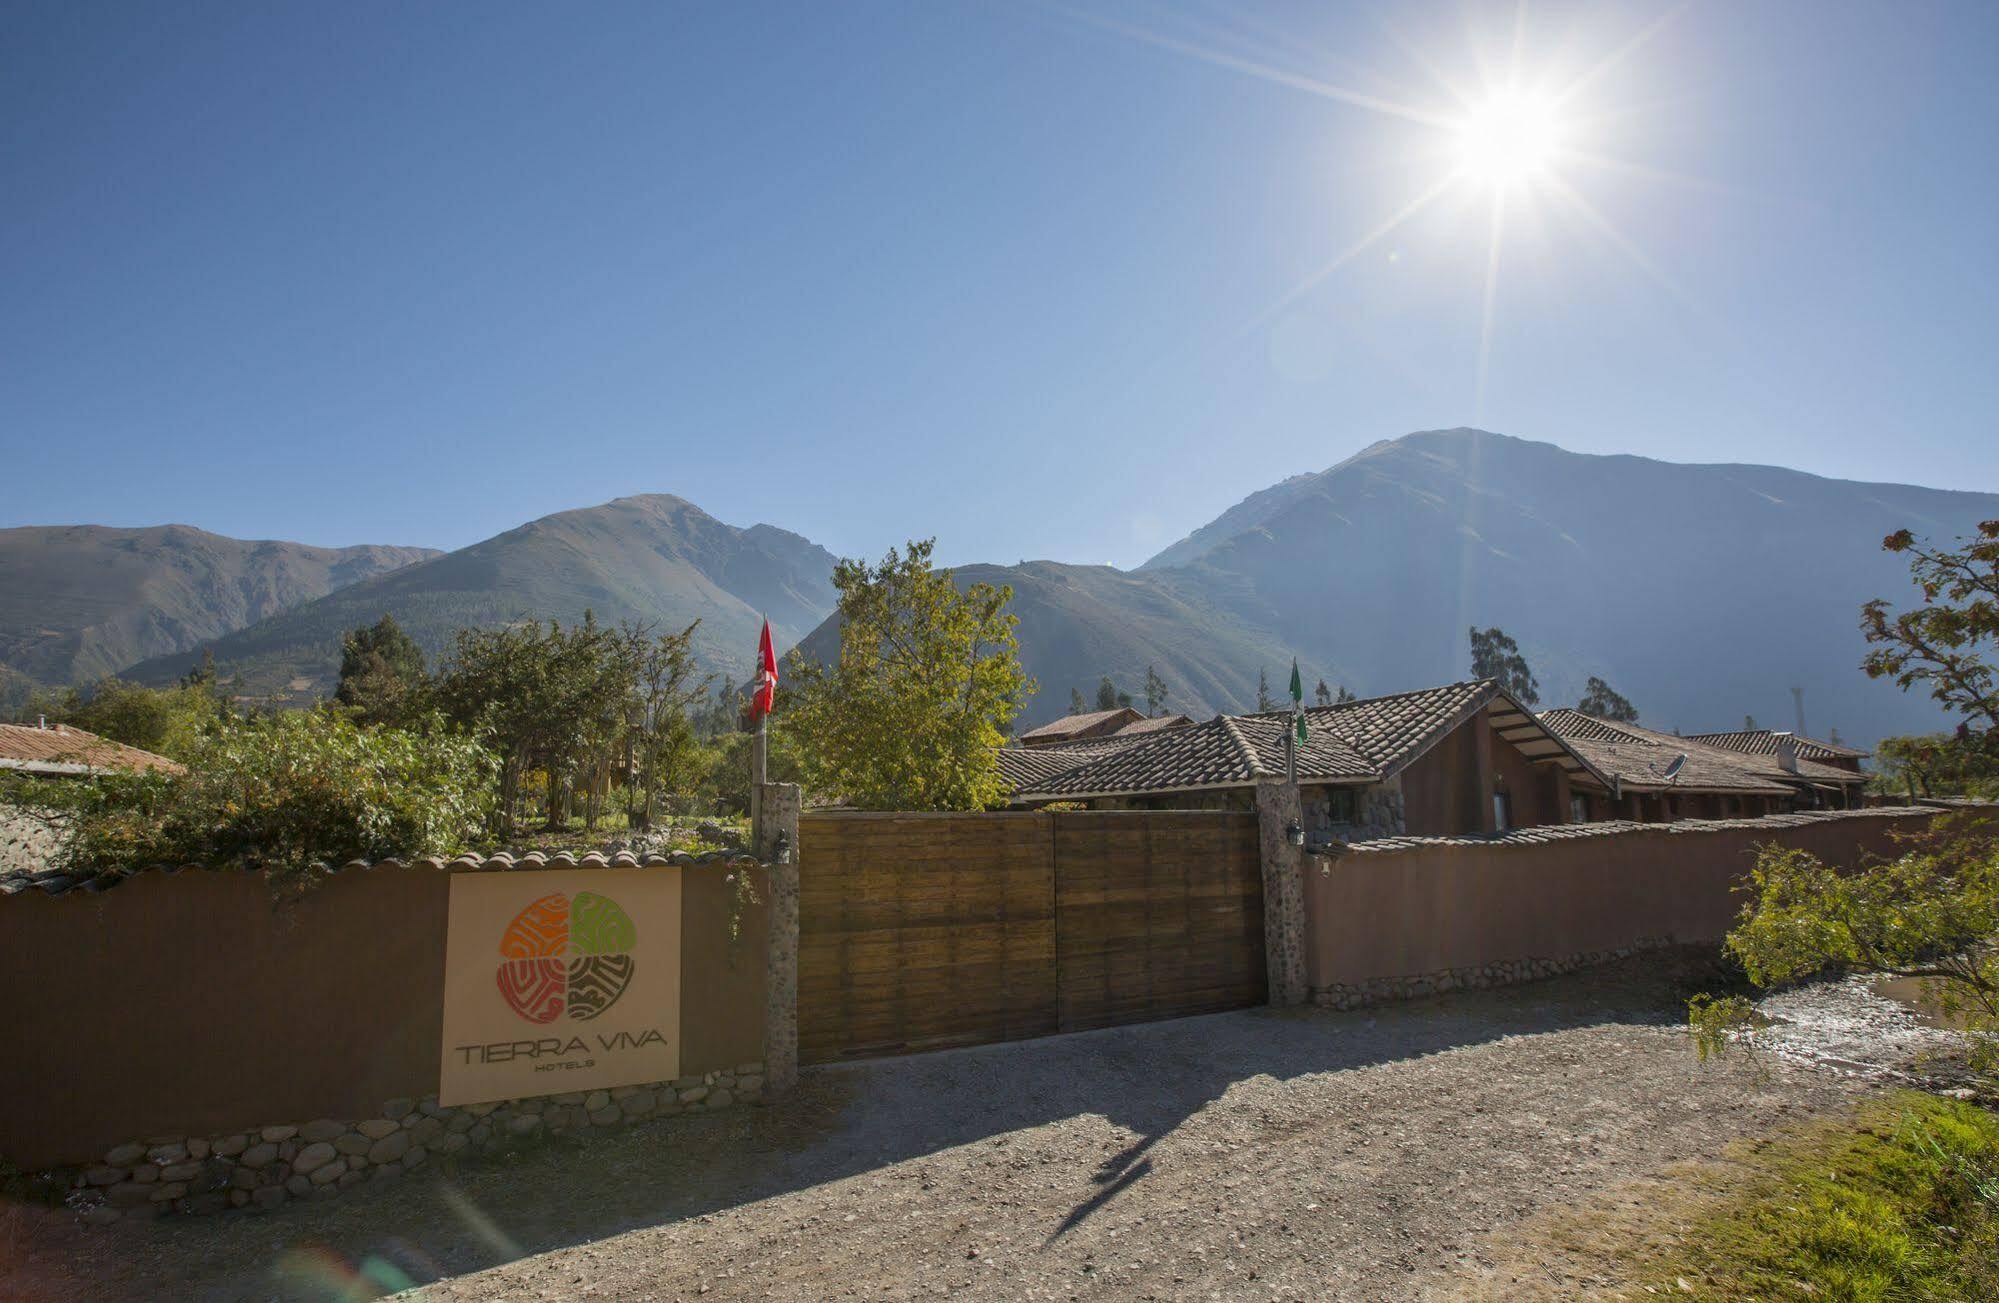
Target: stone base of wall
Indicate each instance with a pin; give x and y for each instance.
(1378, 990)
(261, 1169)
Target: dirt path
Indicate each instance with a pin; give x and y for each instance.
(1304, 1154)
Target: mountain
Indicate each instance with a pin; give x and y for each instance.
(81, 601)
(1702, 592)
(653, 558)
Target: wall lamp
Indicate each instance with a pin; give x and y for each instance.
(1294, 834)
(782, 846)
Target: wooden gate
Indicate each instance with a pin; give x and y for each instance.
(921, 931)
(1159, 914)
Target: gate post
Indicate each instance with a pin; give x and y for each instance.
(774, 841)
(1278, 809)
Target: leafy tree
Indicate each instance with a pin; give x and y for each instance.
(1107, 694)
(1942, 643)
(169, 721)
(1606, 702)
(1935, 764)
(1342, 695)
(1264, 705)
(1494, 655)
(1156, 692)
(663, 751)
(382, 674)
(1322, 694)
(726, 780)
(282, 793)
(1078, 706)
(1749, 723)
(927, 682)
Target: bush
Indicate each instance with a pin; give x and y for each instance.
(282, 793)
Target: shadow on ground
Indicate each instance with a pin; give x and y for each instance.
(842, 1121)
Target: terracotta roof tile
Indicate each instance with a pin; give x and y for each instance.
(1573, 724)
(1763, 742)
(60, 749)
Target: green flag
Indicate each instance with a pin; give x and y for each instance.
(1297, 699)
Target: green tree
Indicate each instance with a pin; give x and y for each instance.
(1078, 706)
(1494, 655)
(281, 792)
(1942, 643)
(927, 682)
(1342, 695)
(1606, 702)
(1263, 703)
(1934, 764)
(1107, 694)
(663, 751)
(1156, 692)
(382, 674)
(1749, 723)
(169, 721)
(1321, 694)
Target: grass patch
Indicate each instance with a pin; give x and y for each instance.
(1899, 1201)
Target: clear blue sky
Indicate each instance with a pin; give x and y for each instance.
(1020, 276)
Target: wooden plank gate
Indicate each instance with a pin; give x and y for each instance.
(921, 931)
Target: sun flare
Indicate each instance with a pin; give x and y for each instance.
(1512, 137)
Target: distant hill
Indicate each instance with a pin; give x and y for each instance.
(81, 601)
(1703, 593)
(654, 558)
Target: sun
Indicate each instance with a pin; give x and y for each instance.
(1514, 136)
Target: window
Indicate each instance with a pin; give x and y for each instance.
(1340, 804)
(1578, 808)
(1501, 816)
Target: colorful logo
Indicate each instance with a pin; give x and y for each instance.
(564, 955)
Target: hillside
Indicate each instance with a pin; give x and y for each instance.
(81, 601)
(1704, 593)
(653, 558)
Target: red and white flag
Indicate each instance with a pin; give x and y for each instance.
(765, 697)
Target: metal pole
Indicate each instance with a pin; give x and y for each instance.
(758, 770)
(1291, 754)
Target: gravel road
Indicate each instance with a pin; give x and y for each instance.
(1389, 1154)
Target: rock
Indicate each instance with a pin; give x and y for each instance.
(639, 1103)
(376, 1128)
(239, 1198)
(169, 1192)
(566, 1097)
(415, 1157)
(348, 1180)
(751, 1084)
(481, 1110)
(165, 1155)
(451, 1142)
(355, 1162)
(288, 1149)
(298, 1184)
(353, 1142)
(129, 1194)
(146, 1174)
(275, 1134)
(480, 1134)
(609, 1115)
(595, 1100)
(104, 1176)
(324, 1129)
(327, 1172)
(214, 1175)
(693, 1094)
(269, 1196)
(386, 1172)
(244, 1178)
(426, 1131)
(180, 1172)
(315, 1156)
(687, 1083)
(197, 1148)
(721, 1099)
(125, 1155)
(396, 1108)
(430, 1107)
(230, 1146)
(259, 1155)
(461, 1122)
(389, 1148)
(525, 1125)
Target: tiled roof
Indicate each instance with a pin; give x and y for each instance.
(1352, 742)
(60, 749)
(1622, 827)
(1153, 724)
(55, 882)
(1074, 725)
(1763, 742)
(1574, 724)
(1644, 767)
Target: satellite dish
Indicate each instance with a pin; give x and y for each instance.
(1673, 770)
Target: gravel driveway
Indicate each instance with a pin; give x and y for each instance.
(1297, 1154)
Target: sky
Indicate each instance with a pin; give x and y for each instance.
(1040, 280)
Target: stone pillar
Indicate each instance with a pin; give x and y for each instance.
(1277, 805)
(777, 807)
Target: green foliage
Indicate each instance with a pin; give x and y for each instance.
(1937, 764)
(1494, 655)
(725, 780)
(1322, 694)
(927, 682)
(1156, 692)
(169, 721)
(1109, 697)
(1943, 643)
(1077, 706)
(1900, 1202)
(281, 793)
(382, 674)
(1929, 914)
(1605, 702)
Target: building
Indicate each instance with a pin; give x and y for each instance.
(1768, 742)
(59, 751)
(1125, 721)
(1464, 758)
(1662, 776)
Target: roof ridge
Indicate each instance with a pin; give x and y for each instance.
(1243, 747)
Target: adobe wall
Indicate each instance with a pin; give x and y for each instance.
(1410, 916)
(199, 1004)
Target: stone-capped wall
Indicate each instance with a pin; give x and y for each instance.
(263, 1168)
(1377, 812)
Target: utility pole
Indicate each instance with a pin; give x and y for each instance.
(1798, 697)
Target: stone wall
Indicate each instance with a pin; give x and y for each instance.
(1377, 812)
(263, 1167)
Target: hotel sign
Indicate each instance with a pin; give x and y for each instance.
(558, 980)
